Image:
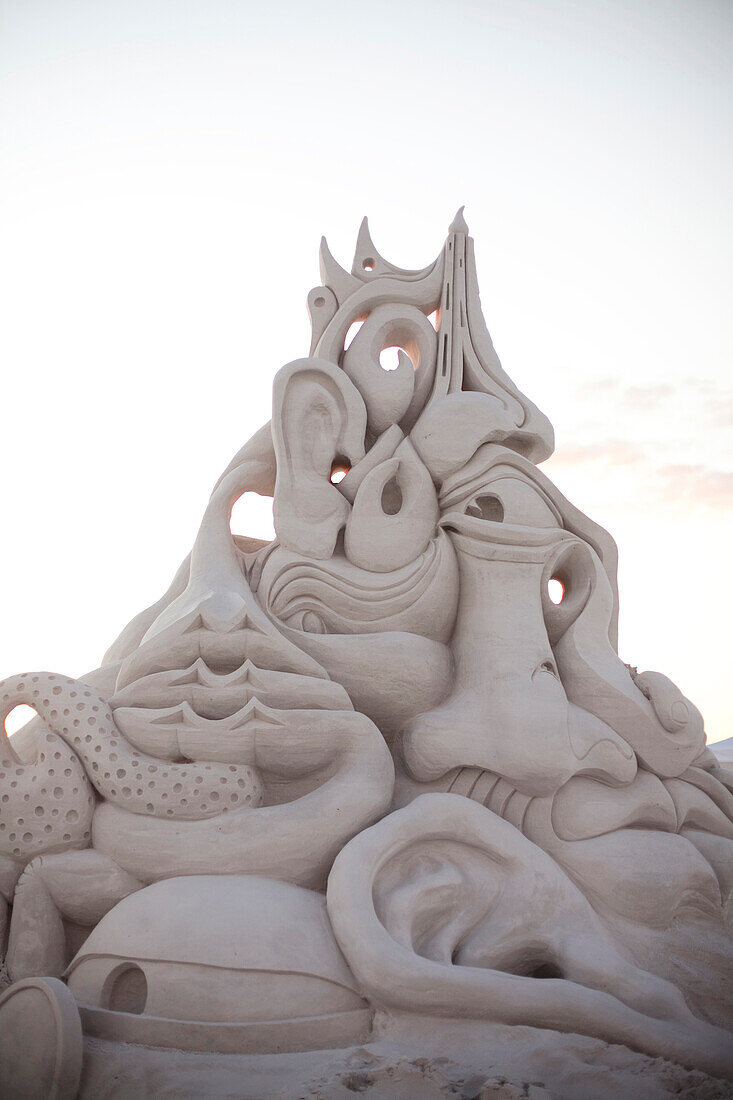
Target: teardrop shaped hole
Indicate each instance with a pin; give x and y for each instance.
(391, 498)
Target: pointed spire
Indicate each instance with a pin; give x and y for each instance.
(458, 225)
(366, 257)
(333, 275)
(364, 242)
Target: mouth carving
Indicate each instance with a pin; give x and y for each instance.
(492, 791)
(206, 685)
(214, 696)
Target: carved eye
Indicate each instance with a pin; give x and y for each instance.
(309, 622)
(486, 506)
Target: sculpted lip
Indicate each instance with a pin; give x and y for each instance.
(582, 809)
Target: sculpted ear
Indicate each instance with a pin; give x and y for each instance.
(318, 416)
(442, 908)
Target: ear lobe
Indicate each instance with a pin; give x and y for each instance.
(317, 415)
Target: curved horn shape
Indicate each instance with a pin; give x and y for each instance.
(663, 727)
(395, 514)
(391, 396)
(333, 274)
(318, 415)
(444, 881)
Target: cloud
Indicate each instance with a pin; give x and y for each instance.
(612, 452)
(646, 397)
(594, 384)
(702, 385)
(669, 484)
(720, 410)
(695, 484)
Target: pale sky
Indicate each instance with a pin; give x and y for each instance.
(166, 172)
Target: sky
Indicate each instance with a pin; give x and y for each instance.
(166, 172)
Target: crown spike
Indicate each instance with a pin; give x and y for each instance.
(333, 275)
(365, 254)
(458, 225)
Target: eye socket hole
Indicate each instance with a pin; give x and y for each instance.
(488, 507)
(339, 469)
(555, 590)
(391, 498)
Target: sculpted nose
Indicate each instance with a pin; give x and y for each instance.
(217, 616)
(508, 712)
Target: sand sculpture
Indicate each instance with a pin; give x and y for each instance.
(370, 768)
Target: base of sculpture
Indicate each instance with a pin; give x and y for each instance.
(406, 1057)
(221, 986)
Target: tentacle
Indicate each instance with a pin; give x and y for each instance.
(142, 784)
(335, 776)
(46, 805)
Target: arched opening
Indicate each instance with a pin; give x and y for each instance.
(18, 717)
(555, 590)
(368, 264)
(252, 517)
(126, 989)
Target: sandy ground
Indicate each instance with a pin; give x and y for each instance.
(468, 1060)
